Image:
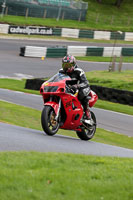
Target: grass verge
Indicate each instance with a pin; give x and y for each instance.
(125, 59)
(119, 80)
(31, 118)
(54, 176)
(16, 85)
(114, 107)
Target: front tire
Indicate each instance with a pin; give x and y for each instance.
(89, 132)
(49, 124)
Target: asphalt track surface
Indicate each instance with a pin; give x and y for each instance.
(13, 65)
(14, 138)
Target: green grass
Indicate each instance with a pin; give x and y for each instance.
(17, 85)
(122, 80)
(103, 16)
(126, 109)
(31, 118)
(56, 176)
(20, 115)
(125, 59)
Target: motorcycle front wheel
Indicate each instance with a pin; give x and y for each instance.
(48, 121)
(88, 132)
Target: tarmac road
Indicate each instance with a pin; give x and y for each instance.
(13, 65)
(14, 138)
(108, 120)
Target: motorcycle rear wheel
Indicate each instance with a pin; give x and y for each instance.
(87, 134)
(49, 124)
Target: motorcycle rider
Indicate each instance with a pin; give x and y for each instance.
(70, 68)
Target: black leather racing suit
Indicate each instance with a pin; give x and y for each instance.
(83, 85)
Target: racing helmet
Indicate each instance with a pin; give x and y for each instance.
(68, 63)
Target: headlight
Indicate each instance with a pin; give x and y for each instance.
(50, 88)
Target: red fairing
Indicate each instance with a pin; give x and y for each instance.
(93, 99)
(73, 115)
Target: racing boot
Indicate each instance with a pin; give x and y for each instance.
(89, 119)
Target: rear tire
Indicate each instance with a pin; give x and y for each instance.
(87, 134)
(49, 124)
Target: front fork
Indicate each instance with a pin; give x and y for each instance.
(58, 111)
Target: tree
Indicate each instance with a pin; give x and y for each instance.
(99, 1)
(117, 2)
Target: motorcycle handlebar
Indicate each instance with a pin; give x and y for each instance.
(71, 89)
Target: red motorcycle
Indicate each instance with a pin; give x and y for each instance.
(63, 110)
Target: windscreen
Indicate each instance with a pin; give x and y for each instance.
(58, 77)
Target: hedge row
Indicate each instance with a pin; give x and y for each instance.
(114, 95)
